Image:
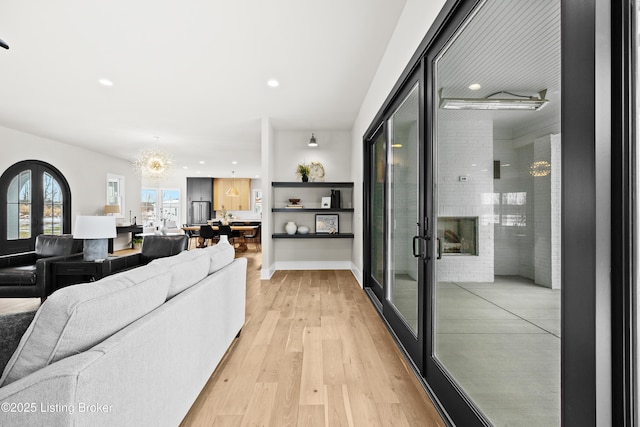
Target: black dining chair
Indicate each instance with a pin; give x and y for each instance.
(191, 234)
(254, 238)
(225, 230)
(206, 232)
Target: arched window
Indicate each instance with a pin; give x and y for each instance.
(36, 199)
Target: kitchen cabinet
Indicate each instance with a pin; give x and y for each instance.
(241, 202)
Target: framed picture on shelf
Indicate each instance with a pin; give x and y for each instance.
(325, 203)
(327, 223)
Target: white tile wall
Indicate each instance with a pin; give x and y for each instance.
(465, 149)
(532, 248)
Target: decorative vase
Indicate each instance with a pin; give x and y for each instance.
(303, 229)
(305, 178)
(163, 229)
(291, 227)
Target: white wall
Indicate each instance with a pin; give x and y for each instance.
(85, 171)
(416, 18)
(334, 152)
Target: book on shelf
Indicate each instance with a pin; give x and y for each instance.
(295, 206)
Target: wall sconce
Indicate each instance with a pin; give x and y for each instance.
(312, 141)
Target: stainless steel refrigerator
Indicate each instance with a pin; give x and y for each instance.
(200, 212)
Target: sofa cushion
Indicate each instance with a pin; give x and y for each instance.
(76, 318)
(221, 255)
(187, 268)
(22, 275)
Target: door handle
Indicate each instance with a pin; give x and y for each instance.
(415, 238)
(439, 248)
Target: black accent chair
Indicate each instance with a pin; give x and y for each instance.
(28, 274)
(153, 247)
(207, 233)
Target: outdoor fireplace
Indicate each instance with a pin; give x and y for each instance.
(458, 235)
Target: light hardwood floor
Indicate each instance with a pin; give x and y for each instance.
(313, 352)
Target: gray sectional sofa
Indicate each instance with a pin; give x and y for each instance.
(135, 348)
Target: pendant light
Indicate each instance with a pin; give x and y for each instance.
(233, 191)
(312, 141)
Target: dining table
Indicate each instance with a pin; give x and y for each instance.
(240, 246)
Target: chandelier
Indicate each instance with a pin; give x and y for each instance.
(152, 163)
(540, 168)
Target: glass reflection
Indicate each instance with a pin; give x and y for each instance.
(497, 309)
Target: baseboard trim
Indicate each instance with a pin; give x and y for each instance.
(313, 265)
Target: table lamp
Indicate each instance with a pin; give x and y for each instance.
(111, 209)
(95, 230)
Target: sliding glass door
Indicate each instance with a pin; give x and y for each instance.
(404, 274)
(395, 195)
(480, 230)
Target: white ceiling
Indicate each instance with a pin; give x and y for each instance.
(508, 46)
(191, 73)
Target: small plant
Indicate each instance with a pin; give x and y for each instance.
(302, 171)
(136, 242)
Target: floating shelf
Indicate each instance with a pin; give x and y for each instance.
(311, 210)
(313, 184)
(313, 236)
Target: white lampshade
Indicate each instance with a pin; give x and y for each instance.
(95, 230)
(95, 227)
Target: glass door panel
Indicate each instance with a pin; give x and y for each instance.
(377, 211)
(496, 214)
(402, 291)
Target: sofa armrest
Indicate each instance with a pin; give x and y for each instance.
(14, 260)
(44, 271)
(12, 327)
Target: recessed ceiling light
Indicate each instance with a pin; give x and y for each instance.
(105, 82)
(475, 86)
(234, 162)
(273, 83)
(185, 167)
(202, 162)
